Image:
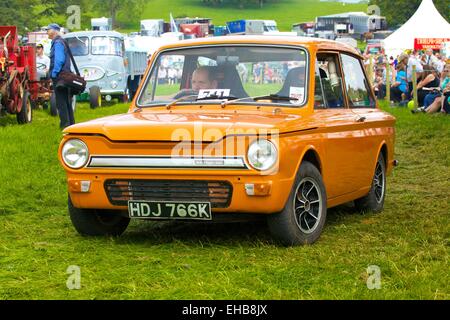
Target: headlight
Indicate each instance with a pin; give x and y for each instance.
(75, 153)
(114, 84)
(262, 155)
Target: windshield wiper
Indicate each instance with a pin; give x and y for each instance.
(276, 97)
(174, 102)
(256, 98)
(212, 97)
(217, 97)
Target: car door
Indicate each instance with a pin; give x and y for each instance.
(371, 126)
(343, 140)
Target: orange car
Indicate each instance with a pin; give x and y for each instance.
(284, 127)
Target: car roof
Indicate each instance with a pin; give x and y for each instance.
(93, 34)
(320, 44)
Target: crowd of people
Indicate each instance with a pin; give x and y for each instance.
(432, 74)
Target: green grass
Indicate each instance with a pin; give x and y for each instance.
(285, 12)
(409, 240)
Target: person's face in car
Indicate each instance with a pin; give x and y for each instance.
(201, 80)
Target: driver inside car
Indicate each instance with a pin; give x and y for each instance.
(203, 78)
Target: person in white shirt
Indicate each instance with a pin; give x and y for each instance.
(429, 58)
(413, 61)
(42, 62)
(440, 64)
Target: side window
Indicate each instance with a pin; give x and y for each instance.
(319, 100)
(358, 92)
(331, 78)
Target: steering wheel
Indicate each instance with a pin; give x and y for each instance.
(184, 93)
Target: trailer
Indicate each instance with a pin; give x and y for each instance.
(195, 30)
(152, 27)
(101, 24)
(251, 26)
(17, 70)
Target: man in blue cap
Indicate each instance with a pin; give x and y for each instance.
(60, 61)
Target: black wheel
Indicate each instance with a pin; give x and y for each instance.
(374, 201)
(303, 218)
(53, 105)
(26, 113)
(95, 97)
(91, 222)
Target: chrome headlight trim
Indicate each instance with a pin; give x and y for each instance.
(262, 154)
(75, 153)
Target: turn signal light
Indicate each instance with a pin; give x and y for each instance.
(258, 189)
(79, 186)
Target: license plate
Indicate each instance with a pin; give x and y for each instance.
(170, 210)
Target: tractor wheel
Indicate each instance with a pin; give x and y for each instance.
(95, 97)
(26, 112)
(53, 105)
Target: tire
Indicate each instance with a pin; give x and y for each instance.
(26, 113)
(53, 105)
(95, 97)
(374, 201)
(302, 226)
(92, 222)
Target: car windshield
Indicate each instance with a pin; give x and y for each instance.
(227, 72)
(79, 45)
(107, 46)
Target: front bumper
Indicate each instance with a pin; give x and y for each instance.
(250, 194)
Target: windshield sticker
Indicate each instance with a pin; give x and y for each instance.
(297, 92)
(214, 93)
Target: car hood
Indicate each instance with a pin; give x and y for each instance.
(180, 125)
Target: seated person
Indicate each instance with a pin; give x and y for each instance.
(203, 78)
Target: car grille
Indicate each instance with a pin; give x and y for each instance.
(218, 193)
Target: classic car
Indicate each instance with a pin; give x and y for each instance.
(275, 127)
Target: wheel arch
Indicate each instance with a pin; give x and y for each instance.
(311, 155)
(383, 149)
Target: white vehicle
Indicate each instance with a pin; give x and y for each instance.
(152, 27)
(101, 24)
(252, 27)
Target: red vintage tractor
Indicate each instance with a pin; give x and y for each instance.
(18, 75)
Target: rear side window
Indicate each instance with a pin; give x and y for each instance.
(359, 95)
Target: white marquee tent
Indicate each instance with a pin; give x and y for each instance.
(426, 22)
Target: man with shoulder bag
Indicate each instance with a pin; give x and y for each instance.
(65, 83)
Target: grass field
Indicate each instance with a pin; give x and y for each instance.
(409, 240)
(285, 12)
